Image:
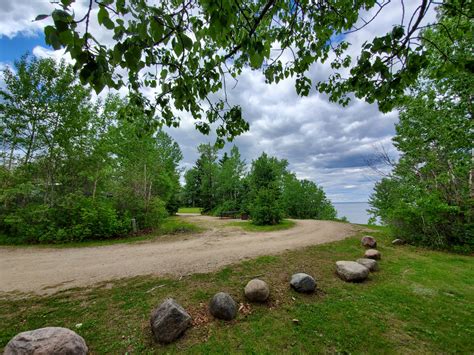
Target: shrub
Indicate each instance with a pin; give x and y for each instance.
(266, 208)
(155, 214)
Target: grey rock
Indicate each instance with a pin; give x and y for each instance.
(398, 242)
(368, 241)
(49, 340)
(257, 291)
(223, 306)
(169, 321)
(351, 271)
(373, 254)
(370, 264)
(302, 282)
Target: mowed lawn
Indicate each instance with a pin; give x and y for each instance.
(420, 301)
(189, 210)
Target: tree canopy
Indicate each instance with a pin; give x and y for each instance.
(74, 168)
(267, 191)
(186, 50)
(428, 197)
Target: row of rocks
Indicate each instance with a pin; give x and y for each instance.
(358, 271)
(169, 321)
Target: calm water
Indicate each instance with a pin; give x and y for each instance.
(354, 211)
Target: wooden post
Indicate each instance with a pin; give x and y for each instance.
(134, 225)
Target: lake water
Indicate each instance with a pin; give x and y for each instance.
(355, 212)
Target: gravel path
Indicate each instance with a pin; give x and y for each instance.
(47, 270)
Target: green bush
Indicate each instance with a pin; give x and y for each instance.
(265, 208)
(156, 213)
(226, 206)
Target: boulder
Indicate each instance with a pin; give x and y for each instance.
(398, 242)
(223, 306)
(257, 291)
(370, 264)
(351, 271)
(373, 254)
(49, 340)
(302, 282)
(368, 242)
(169, 321)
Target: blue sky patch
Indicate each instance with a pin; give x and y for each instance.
(12, 49)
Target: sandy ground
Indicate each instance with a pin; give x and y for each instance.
(47, 270)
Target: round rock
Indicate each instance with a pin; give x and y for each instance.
(169, 321)
(351, 271)
(373, 254)
(398, 242)
(257, 291)
(370, 264)
(223, 306)
(368, 242)
(302, 282)
(49, 340)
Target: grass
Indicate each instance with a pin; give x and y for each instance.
(171, 226)
(250, 227)
(190, 210)
(420, 301)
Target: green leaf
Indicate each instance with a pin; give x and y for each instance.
(163, 74)
(187, 42)
(52, 37)
(156, 30)
(102, 15)
(178, 47)
(40, 17)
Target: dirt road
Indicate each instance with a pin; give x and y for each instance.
(47, 270)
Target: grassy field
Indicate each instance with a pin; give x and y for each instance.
(420, 301)
(170, 226)
(189, 210)
(250, 227)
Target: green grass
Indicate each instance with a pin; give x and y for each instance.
(250, 227)
(190, 210)
(170, 226)
(420, 301)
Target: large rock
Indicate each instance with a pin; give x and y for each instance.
(257, 291)
(370, 264)
(398, 242)
(373, 254)
(223, 306)
(50, 340)
(351, 271)
(169, 321)
(302, 282)
(368, 242)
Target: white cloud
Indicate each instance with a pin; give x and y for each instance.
(16, 17)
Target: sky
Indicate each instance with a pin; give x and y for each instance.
(322, 141)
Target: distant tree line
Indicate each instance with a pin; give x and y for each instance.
(73, 168)
(267, 192)
(428, 197)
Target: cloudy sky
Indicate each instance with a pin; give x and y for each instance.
(322, 141)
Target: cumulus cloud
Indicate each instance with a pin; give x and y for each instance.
(322, 141)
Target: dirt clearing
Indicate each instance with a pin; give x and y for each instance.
(47, 270)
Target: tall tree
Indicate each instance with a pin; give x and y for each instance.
(229, 187)
(74, 168)
(427, 198)
(266, 183)
(45, 118)
(207, 169)
(304, 199)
